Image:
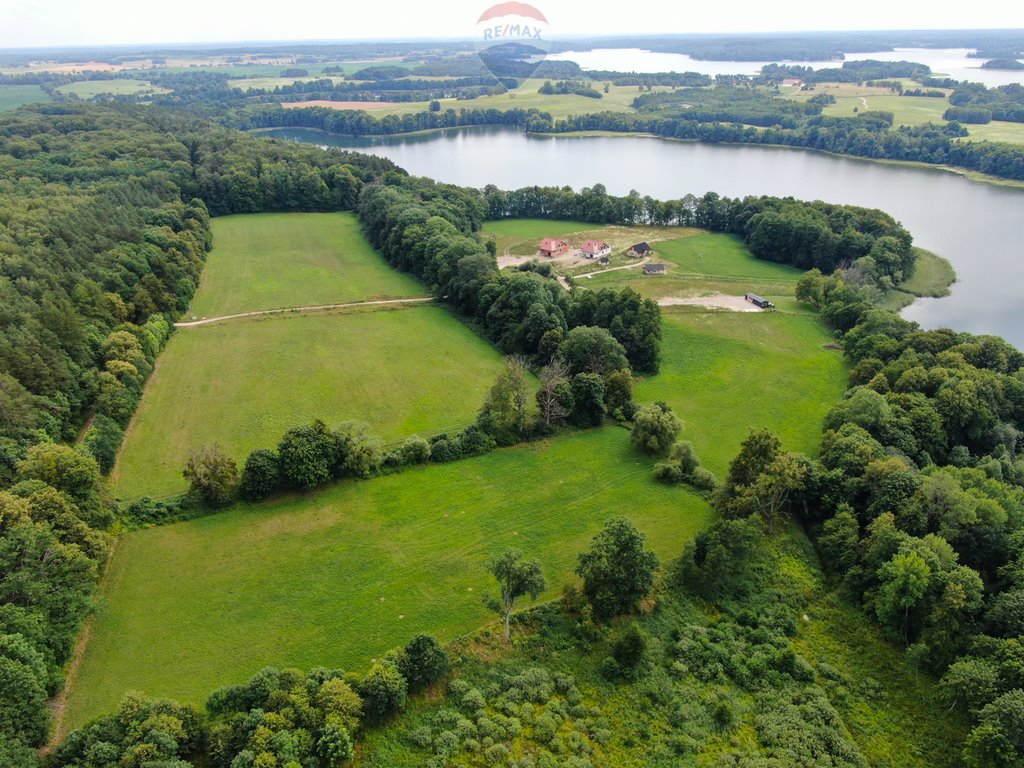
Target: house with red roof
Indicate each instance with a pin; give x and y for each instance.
(552, 246)
(595, 249)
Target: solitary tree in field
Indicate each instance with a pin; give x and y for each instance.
(516, 578)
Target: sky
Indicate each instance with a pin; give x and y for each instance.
(31, 23)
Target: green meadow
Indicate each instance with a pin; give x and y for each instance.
(243, 383)
(725, 373)
(14, 96)
(275, 260)
(87, 89)
(338, 577)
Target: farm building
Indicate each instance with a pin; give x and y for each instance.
(760, 301)
(791, 82)
(639, 250)
(654, 269)
(604, 261)
(595, 249)
(552, 246)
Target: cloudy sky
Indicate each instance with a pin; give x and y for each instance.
(28, 23)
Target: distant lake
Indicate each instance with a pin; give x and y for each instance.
(976, 226)
(953, 62)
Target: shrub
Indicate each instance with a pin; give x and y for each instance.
(588, 400)
(260, 475)
(307, 456)
(629, 649)
(212, 475)
(423, 662)
(383, 691)
(655, 427)
(415, 450)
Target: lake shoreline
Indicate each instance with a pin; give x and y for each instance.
(975, 176)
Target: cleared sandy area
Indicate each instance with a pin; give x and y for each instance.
(715, 301)
(367, 105)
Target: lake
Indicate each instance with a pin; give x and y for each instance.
(975, 225)
(953, 62)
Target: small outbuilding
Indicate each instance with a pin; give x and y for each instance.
(760, 301)
(640, 250)
(654, 269)
(552, 246)
(595, 249)
(604, 261)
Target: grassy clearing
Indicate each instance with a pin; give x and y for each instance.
(14, 96)
(244, 383)
(519, 237)
(703, 264)
(726, 372)
(933, 275)
(997, 131)
(87, 89)
(274, 260)
(336, 578)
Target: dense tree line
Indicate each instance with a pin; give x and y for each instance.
(849, 72)
(361, 123)
(428, 230)
(867, 135)
(280, 717)
(52, 546)
(1005, 102)
(574, 87)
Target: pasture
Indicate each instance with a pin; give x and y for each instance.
(336, 578)
(88, 89)
(274, 260)
(14, 96)
(725, 373)
(243, 383)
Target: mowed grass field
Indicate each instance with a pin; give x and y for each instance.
(87, 89)
(243, 383)
(274, 260)
(14, 96)
(725, 373)
(336, 578)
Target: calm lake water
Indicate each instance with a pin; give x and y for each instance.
(953, 62)
(976, 226)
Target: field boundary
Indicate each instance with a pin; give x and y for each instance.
(59, 702)
(299, 310)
